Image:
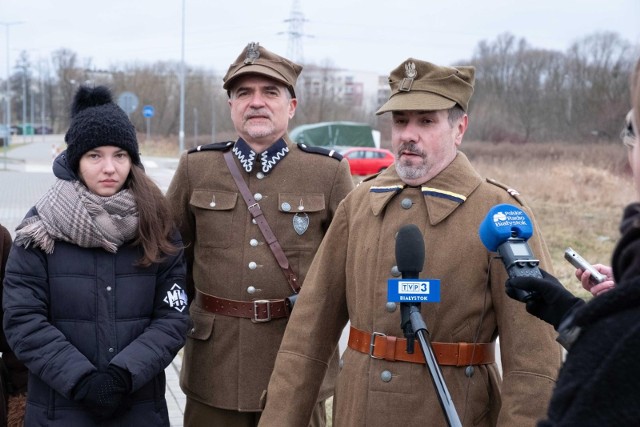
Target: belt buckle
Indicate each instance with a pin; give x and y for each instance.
(372, 344)
(256, 304)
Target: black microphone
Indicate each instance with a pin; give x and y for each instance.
(409, 260)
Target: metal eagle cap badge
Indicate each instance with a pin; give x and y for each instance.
(252, 53)
(300, 223)
(411, 73)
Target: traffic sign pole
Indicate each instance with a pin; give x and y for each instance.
(148, 112)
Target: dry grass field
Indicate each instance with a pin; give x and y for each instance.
(577, 192)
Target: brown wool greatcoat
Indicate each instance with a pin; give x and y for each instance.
(227, 360)
(348, 281)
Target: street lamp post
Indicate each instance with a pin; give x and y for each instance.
(181, 134)
(42, 94)
(7, 140)
(24, 100)
(195, 125)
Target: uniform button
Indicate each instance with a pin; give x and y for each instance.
(108, 288)
(259, 175)
(286, 207)
(253, 265)
(111, 350)
(253, 242)
(391, 307)
(468, 371)
(254, 221)
(341, 363)
(406, 203)
(385, 376)
(395, 272)
(251, 290)
(257, 196)
(193, 331)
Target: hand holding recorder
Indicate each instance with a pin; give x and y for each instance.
(596, 278)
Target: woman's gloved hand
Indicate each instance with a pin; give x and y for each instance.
(103, 393)
(549, 301)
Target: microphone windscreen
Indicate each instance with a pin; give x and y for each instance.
(502, 222)
(409, 249)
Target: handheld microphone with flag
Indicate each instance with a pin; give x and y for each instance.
(409, 261)
(505, 230)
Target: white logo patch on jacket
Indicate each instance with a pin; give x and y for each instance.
(176, 298)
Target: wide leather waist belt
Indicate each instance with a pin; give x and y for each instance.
(381, 346)
(261, 310)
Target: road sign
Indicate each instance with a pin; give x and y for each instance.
(128, 101)
(148, 111)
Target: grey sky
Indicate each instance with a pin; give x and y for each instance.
(368, 35)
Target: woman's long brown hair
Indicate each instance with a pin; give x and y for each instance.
(155, 223)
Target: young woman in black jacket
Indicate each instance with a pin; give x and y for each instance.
(93, 296)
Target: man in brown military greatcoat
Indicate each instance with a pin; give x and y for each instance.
(433, 186)
(246, 257)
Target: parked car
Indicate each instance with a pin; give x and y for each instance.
(42, 129)
(367, 160)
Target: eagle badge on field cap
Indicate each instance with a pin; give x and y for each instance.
(252, 53)
(410, 70)
(410, 73)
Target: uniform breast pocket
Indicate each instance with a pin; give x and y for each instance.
(300, 220)
(214, 213)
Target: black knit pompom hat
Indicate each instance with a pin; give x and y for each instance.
(96, 121)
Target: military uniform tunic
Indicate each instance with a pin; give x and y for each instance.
(348, 281)
(228, 360)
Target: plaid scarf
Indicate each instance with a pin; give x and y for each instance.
(70, 212)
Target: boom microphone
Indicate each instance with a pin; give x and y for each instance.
(505, 230)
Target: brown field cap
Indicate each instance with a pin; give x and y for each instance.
(423, 86)
(255, 59)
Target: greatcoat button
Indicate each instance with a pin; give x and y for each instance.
(385, 376)
(341, 363)
(395, 272)
(259, 175)
(391, 307)
(251, 289)
(254, 221)
(253, 242)
(111, 350)
(286, 207)
(257, 196)
(406, 203)
(108, 288)
(253, 265)
(468, 371)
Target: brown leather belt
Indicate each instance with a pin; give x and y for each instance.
(381, 346)
(261, 310)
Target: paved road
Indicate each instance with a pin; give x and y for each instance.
(25, 175)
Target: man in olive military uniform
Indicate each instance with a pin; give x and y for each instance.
(433, 186)
(237, 285)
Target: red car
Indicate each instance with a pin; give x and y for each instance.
(367, 160)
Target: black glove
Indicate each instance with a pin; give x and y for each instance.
(103, 393)
(549, 301)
